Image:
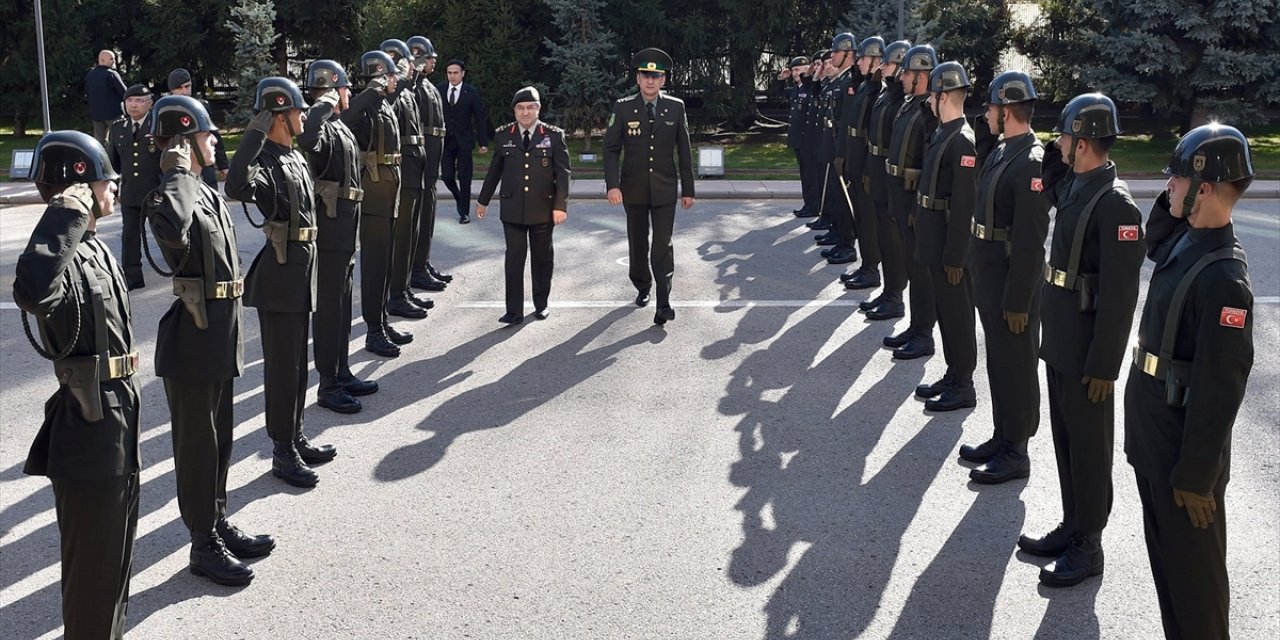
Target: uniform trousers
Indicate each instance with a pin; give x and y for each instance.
(924, 311)
(284, 371)
(201, 415)
(1083, 438)
(533, 240)
(661, 259)
(955, 321)
(97, 524)
(835, 207)
(427, 206)
(892, 248)
(864, 213)
(456, 168)
(405, 231)
(131, 243)
(331, 323)
(1013, 365)
(377, 223)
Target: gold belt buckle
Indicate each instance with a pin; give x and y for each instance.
(1055, 277)
(229, 289)
(893, 169)
(1146, 362)
(122, 366)
(979, 231)
(306, 234)
(353, 194)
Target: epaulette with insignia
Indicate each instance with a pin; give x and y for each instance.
(630, 97)
(673, 98)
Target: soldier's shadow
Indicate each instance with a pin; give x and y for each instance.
(530, 384)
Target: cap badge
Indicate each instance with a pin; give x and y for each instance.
(79, 167)
(1198, 162)
(185, 121)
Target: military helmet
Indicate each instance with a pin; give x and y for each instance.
(421, 47)
(798, 61)
(895, 52)
(1012, 87)
(843, 42)
(1089, 115)
(397, 49)
(872, 47)
(948, 76)
(179, 115)
(326, 74)
(819, 55)
(1212, 153)
(376, 63)
(921, 57)
(277, 94)
(66, 157)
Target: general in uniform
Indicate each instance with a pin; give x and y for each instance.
(136, 155)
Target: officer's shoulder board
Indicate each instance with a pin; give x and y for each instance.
(504, 127)
(551, 127)
(626, 98)
(672, 98)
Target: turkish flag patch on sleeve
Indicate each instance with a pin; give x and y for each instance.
(1232, 317)
(1037, 184)
(1128, 233)
(968, 161)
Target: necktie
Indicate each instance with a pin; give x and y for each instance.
(526, 140)
(453, 95)
(135, 129)
(648, 106)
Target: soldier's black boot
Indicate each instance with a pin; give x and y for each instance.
(1009, 464)
(402, 308)
(211, 559)
(819, 225)
(890, 307)
(242, 544)
(442, 277)
(287, 465)
(869, 303)
(355, 386)
(421, 301)
(313, 453)
(934, 389)
(982, 453)
(1082, 560)
(863, 278)
(378, 344)
(427, 282)
(334, 397)
(1050, 545)
(918, 346)
(396, 336)
(958, 395)
(897, 340)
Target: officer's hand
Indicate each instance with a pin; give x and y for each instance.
(177, 156)
(558, 216)
(1052, 154)
(984, 140)
(329, 97)
(261, 121)
(1199, 506)
(1017, 322)
(686, 203)
(222, 175)
(838, 165)
(954, 274)
(481, 210)
(614, 196)
(1098, 389)
(484, 149)
(80, 192)
(379, 84)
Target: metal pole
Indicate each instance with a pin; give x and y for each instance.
(902, 19)
(44, 80)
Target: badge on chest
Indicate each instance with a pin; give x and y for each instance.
(633, 128)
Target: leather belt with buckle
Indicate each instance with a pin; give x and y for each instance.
(389, 159)
(353, 194)
(990, 234)
(304, 234)
(229, 289)
(878, 152)
(855, 132)
(893, 169)
(1146, 362)
(932, 204)
(411, 140)
(1055, 277)
(117, 367)
(437, 132)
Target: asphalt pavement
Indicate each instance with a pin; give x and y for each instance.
(757, 469)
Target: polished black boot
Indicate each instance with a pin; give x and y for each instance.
(402, 308)
(826, 240)
(396, 336)
(958, 395)
(442, 277)
(210, 559)
(287, 465)
(895, 341)
(377, 344)
(870, 303)
(427, 282)
(511, 318)
(334, 397)
(1082, 560)
(355, 386)
(918, 346)
(889, 308)
(422, 301)
(242, 544)
(935, 389)
(982, 453)
(313, 453)
(1050, 545)
(843, 255)
(664, 315)
(862, 278)
(1009, 464)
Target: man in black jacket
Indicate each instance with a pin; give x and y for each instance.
(135, 153)
(531, 160)
(105, 90)
(465, 126)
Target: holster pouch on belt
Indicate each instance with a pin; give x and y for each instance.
(1087, 291)
(278, 235)
(81, 376)
(1176, 383)
(371, 165)
(910, 178)
(191, 292)
(328, 191)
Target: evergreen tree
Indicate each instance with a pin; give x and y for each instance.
(1060, 43)
(972, 32)
(866, 19)
(251, 26)
(584, 56)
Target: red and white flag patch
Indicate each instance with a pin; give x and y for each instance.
(968, 161)
(1233, 317)
(850, 90)
(1037, 184)
(1128, 233)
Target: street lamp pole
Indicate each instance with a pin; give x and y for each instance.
(44, 80)
(902, 18)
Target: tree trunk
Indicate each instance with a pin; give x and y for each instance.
(19, 124)
(742, 89)
(280, 54)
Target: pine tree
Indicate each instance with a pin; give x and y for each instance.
(251, 26)
(584, 56)
(972, 32)
(1060, 44)
(866, 19)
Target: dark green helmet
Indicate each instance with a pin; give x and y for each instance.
(376, 63)
(397, 49)
(67, 157)
(948, 76)
(921, 57)
(895, 52)
(798, 61)
(277, 94)
(1012, 87)
(179, 115)
(1212, 153)
(843, 42)
(326, 74)
(872, 47)
(421, 47)
(1090, 115)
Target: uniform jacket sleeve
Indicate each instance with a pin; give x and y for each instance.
(1030, 228)
(220, 153)
(246, 181)
(492, 178)
(1119, 270)
(170, 208)
(1162, 227)
(40, 283)
(560, 202)
(613, 150)
(1054, 172)
(686, 155)
(113, 152)
(358, 107)
(310, 139)
(964, 191)
(1219, 373)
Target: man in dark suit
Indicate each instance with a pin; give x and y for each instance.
(651, 128)
(105, 90)
(138, 159)
(464, 128)
(531, 160)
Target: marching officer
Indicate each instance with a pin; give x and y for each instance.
(199, 346)
(798, 99)
(331, 152)
(431, 108)
(890, 222)
(129, 148)
(373, 120)
(1190, 369)
(1006, 257)
(944, 214)
(854, 145)
(400, 301)
(1086, 307)
(531, 160)
(837, 205)
(912, 125)
(281, 283)
(88, 442)
(649, 125)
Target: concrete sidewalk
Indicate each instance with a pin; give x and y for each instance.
(25, 192)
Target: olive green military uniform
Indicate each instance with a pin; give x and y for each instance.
(138, 161)
(912, 126)
(431, 110)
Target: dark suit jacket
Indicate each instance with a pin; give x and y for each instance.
(640, 157)
(136, 158)
(464, 120)
(535, 182)
(106, 93)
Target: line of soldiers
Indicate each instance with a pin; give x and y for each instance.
(957, 217)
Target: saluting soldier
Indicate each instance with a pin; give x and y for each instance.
(531, 160)
(88, 443)
(400, 301)
(912, 126)
(136, 155)
(179, 83)
(331, 152)
(858, 119)
(798, 99)
(1006, 258)
(281, 283)
(890, 222)
(199, 345)
(1190, 369)
(645, 135)
(1091, 289)
(812, 140)
(431, 109)
(837, 205)
(944, 214)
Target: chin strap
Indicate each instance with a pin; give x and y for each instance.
(1190, 200)
(195, 148)
(1000, 119)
